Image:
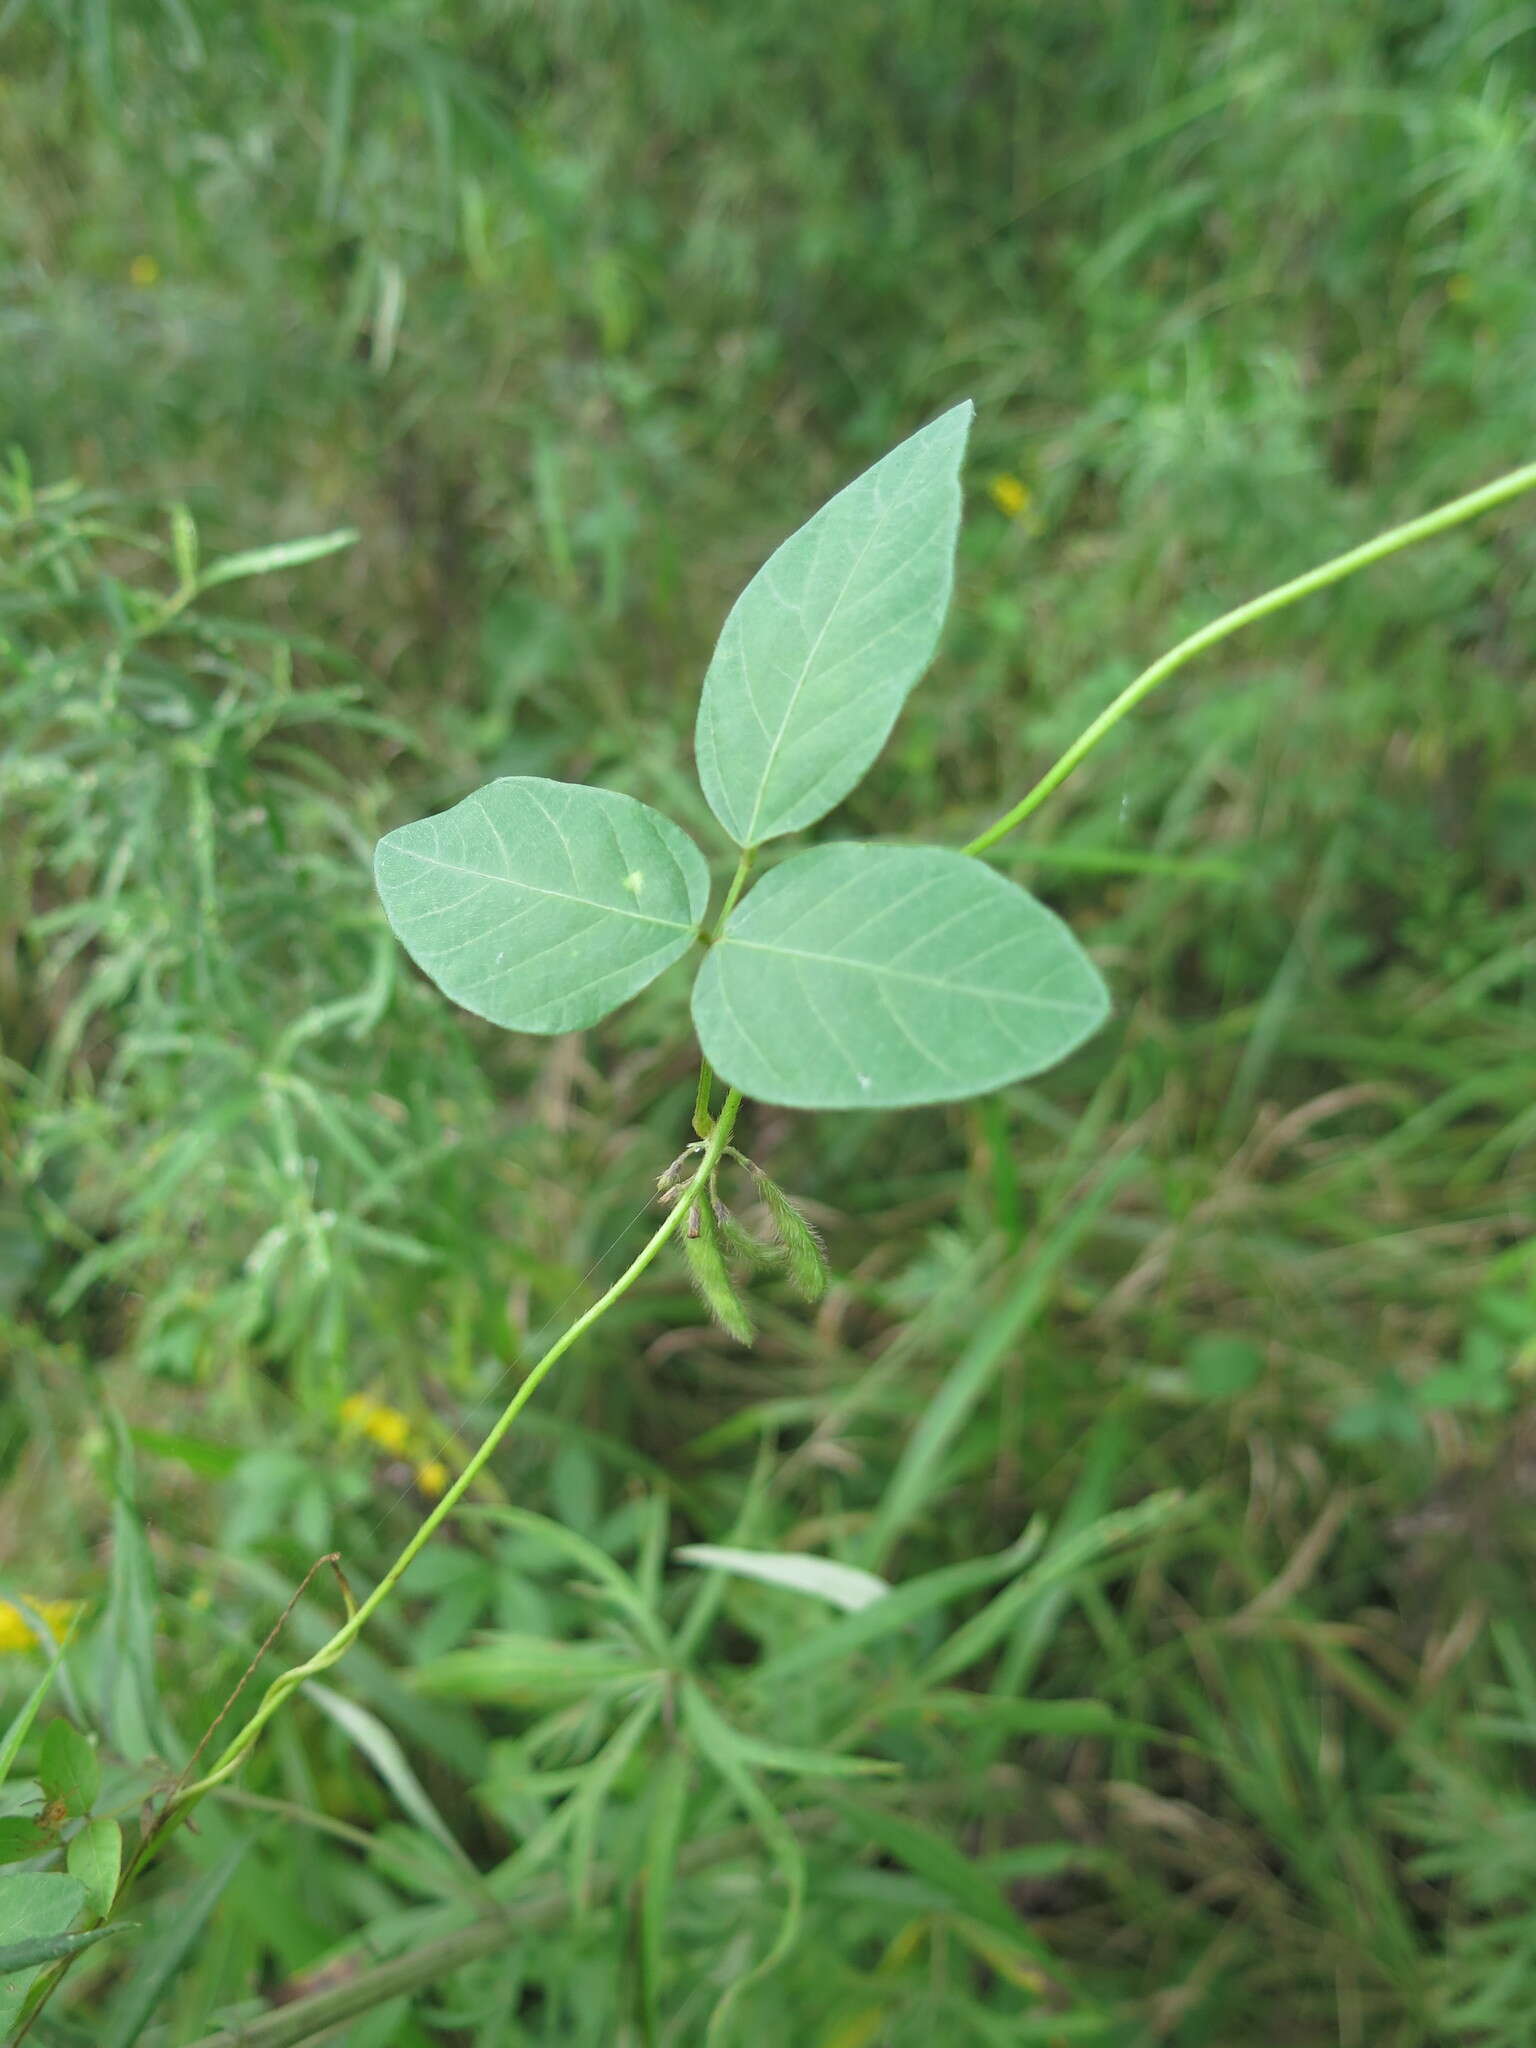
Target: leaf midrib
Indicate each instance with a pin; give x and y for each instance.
(672, 924)
(805, 670)
(876, 967)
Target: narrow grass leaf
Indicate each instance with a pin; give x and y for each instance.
(52, 1948)
(163, 1961)
(931, 1856)
(599, 1566)
(663, 1838)
(542, 905)
(591, 1795)
(794, 1761)
(286, 554)
(522, 1670)
(369, 1735)
(1001, 1616)
(844, 1585)
(718, 1743)
(25, 1715)
(919, 1474)
(852, 1633)
(822, 648)
(129, 1695)
(875, 977)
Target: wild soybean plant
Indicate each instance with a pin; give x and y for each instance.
(852, 976)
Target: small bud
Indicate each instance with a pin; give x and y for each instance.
(710, 1276)
(805, 1260)
(681, 1169)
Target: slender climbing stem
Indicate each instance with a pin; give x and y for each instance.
(341, 1641)
(1424, 528)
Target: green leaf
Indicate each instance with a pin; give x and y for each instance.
(163, 1959)
(542, 905)
(51, 1948)
(823, 646)
(663, 1840)
(34, 1906)
(720, 1746)
(1220, 1366)
(21, 1837)
(844, 1585)
(95, 1859)
(383, 1751)
(527, 1671)
(26, 1714)
(932, 1856)
(283, 554)
(67, 1769)
(870, 977)
(126, 1676)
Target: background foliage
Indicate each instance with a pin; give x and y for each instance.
(572, 313)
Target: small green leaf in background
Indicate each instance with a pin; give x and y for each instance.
(283, 554)
(68, 1771)
(127, 1690)
(869, 977)
(34, 1906)
(822, 648)
(21, 1837)
(527, 1671)
(1220, 1366)
(542, 905)
(95, 1860)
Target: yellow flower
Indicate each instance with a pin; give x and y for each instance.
(143, 271)
(17, 1631)
(432, 1478)
(1010, 494)
(385, 1426)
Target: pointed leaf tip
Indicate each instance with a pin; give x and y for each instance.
(823, 647)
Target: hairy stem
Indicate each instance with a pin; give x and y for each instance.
(1439, 521)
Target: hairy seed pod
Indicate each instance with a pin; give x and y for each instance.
(711, 1277)
(804, 1258)
(737, 1242)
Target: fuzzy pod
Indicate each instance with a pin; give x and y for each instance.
(737, 1242)
(711, 1277)
(805, 1260)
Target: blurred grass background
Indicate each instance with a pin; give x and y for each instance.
(573, 311)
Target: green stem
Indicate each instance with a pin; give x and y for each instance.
(703, 1121)
(341, 1641)
(1439, 521)
(733, 894)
